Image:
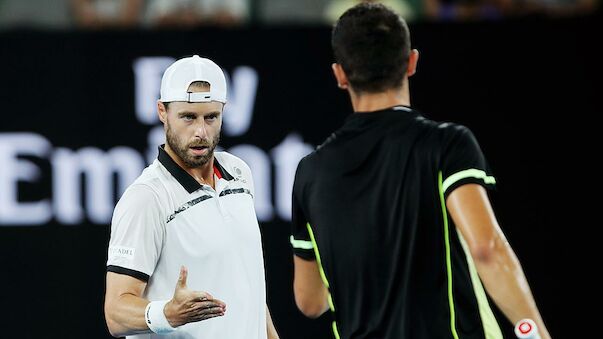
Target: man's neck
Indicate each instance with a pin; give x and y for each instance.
(370, 102)
(203, 174)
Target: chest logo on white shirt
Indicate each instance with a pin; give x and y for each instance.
(239, 175)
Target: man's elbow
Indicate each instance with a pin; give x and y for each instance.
(112, 325)
(489, 251)
(482, 254)
(311, 307)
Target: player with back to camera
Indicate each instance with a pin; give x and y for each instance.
(392, 226)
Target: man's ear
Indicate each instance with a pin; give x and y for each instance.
(412, 62)
(340, 76)
(161, 111)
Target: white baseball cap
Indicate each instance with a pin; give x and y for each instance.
(182, 73)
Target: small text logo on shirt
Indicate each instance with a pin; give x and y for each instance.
(121, 252)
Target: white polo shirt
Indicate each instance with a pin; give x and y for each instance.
(166, 219)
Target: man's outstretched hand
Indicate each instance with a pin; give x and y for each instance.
(191, 306)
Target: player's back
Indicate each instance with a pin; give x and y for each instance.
(371, 194)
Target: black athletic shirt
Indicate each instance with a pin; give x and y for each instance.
(368, 206)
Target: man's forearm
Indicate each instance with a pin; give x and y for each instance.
(125, 315)
(506, 283)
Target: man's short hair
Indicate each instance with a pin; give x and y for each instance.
(372, 45)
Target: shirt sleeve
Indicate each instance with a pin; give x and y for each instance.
(137, 232)
(301, 240)
(463, 162)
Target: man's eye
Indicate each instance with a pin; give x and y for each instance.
(188, 117)
(211, 117)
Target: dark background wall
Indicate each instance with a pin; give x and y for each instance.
(530, 90)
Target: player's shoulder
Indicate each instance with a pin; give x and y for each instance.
(147, 187)
(232, 164)
(151, 177)
(444, 131)
(139, 196)
(453, 133)
(451, 128)
(439, 127)
(307, 166)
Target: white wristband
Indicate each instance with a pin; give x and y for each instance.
(155, 318)
(526, 329)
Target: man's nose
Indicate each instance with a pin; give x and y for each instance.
(201, 129)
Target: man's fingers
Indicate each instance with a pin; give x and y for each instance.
(204, 306)
(219, 302)
(203, 296)
(209, 316)
(206, 313)
(182, 278)
(203, 309)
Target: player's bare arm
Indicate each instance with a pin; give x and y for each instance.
(495, 261)
(125, 307)
(311, 295)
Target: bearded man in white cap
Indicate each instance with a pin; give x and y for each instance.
(185, 241)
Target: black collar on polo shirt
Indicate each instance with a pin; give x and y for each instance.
(186, 180)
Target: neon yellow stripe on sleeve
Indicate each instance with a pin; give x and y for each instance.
(468, 173)
(301, 244)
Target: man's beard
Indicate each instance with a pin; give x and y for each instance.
(182, 150)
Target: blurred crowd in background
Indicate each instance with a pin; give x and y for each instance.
(101, 14)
